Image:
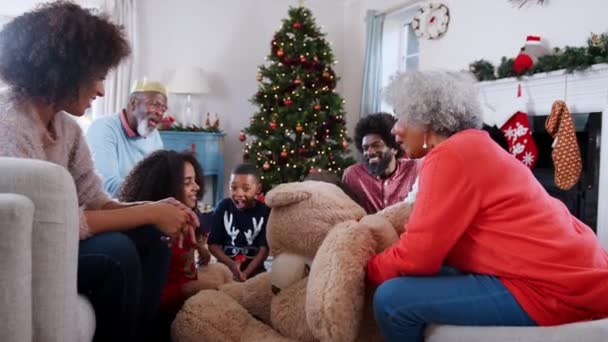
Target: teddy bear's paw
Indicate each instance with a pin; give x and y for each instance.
(287, 312)
(212, 276)
(254, 295)
(210, 316)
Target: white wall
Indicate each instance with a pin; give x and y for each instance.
(491, 29)
(478, 29)
(229, 39)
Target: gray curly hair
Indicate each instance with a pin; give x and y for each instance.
(444, 102)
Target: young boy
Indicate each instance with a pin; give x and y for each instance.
(238, 231)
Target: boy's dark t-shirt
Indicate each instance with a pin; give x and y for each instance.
(239, 232)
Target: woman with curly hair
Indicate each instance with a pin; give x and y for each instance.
(165, 174)
(485, 243)
(54, 60)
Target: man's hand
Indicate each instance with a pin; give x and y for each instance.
(235, 267)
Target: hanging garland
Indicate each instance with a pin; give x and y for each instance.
(568, 58)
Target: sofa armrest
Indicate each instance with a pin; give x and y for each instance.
(54, 246)
(16, 216)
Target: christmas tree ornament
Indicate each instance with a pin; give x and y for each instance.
(299, 128)
(297, 25)
(266, 166)
(297, 81)
(313, 143)
(302, 59)
(272, 125)
(317, 107)
(283, 154)
(566, 153)
(280, 52)
(242, 136)
(259, 78)
(516, 129)
(529, 54)
(288, 102)
(344, 144)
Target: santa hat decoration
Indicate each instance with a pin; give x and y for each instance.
(532, 50)
(533, 40)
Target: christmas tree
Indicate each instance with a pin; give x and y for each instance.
(300, 123)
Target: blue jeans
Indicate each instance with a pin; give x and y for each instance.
(404, 306)
(122, 274)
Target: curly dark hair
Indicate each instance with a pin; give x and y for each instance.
(377, 123)
(160, 175)
(50, 52)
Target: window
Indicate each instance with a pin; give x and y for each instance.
(409, 49)
(400, 46)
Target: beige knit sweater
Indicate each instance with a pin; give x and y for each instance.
(23, 135)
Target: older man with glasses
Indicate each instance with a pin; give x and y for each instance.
(120, 140)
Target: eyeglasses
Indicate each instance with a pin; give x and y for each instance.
(157, 105)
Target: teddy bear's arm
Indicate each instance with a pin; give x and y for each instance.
(254, 295)
(336, 285)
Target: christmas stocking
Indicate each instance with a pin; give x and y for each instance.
(519, 138)
(566, 155)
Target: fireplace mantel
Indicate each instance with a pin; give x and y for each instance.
(584, 92)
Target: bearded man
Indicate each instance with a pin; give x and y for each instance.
(119, 141)
(384, 178)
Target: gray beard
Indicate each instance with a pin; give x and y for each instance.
(143, 129)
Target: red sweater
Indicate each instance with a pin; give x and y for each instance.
(181, 271)
(482, 211)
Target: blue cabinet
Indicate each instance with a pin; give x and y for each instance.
(209, 150)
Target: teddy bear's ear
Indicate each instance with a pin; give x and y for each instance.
(286, 194)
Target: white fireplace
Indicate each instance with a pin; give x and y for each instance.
(584, 92)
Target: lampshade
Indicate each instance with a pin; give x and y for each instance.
(188, 80)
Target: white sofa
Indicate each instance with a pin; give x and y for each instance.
(594, 331)
(39, 255)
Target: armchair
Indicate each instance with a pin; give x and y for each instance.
(39, 255)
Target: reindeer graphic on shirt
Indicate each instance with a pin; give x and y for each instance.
(250, 234)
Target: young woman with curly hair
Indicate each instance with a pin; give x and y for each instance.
(485, 243)
(165, 174)
(54, 60)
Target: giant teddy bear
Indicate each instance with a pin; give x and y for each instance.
(316, 291)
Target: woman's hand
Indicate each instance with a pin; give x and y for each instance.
(189, 230)
(203, 254)
(173, 221)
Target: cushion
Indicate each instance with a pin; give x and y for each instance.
(591, 331)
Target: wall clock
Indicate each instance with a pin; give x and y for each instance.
(432, 21)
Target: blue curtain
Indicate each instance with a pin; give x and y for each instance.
(372, 72)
